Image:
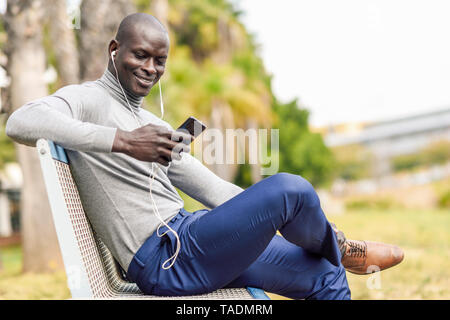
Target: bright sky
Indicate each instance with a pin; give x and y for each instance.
(355, 60)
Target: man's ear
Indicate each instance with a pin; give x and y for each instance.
(113, 46)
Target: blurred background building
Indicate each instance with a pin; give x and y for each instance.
(392, 138)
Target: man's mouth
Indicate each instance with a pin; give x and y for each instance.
(144, 81)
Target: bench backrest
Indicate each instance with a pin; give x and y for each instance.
(91, 270)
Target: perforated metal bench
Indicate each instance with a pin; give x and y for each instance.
(92, 272)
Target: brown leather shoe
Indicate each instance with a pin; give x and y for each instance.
(365, 257)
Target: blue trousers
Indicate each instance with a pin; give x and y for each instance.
(236, 245)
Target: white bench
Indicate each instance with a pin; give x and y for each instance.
(92, 272)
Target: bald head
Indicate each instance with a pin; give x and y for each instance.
(138, 21)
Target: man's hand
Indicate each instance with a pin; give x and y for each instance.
(152, 143)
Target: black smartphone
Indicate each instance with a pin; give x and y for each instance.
(193, 126)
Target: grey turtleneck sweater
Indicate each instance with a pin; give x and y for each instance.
(114, 187)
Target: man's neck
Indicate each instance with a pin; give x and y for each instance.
(111, 83)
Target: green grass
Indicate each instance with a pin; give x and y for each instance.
(15, 285)
(424, 274)
(425, 238)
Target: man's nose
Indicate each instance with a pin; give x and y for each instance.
(149, 66)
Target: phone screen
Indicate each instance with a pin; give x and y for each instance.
(193, 126)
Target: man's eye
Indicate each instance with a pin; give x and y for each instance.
(139, 56)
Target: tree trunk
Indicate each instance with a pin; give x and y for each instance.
(99, 23)
(222, 116)
(222, 119)
(230, 39)
(63, 42)
(160, 9)
(26, 66)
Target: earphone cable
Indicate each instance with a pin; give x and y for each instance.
(152, 177)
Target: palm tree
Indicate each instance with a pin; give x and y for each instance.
(26, 65)
(99, 22)
(160, 9)
(63, 42)
(218, 88)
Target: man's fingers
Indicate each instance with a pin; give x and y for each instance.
(175, 146)
(164, 157)
(164, 132)
(178, 149)
(185, 148)
(165, 153)
(163, 161)
(167, 143)
(182, 136)
(160, 131)
(174, 153)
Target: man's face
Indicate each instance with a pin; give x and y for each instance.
(141, 59)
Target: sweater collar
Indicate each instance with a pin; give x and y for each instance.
(110, 82)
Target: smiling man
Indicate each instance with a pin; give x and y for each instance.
(113, 146)
(138, 40)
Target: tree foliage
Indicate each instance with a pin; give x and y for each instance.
(301, 151)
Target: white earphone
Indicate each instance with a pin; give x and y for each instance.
(173, 258)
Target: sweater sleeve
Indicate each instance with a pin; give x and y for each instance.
(200, 183)
(59, 118)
